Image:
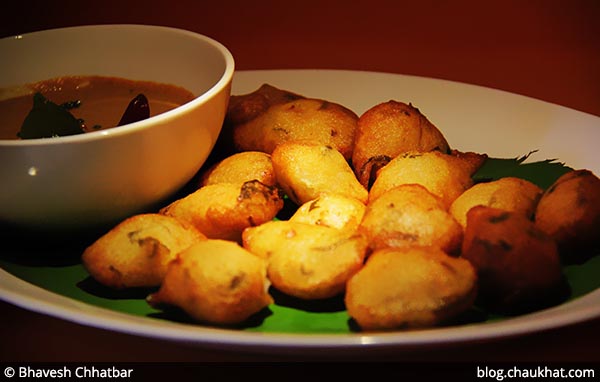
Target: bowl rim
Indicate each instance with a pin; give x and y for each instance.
(225, 79)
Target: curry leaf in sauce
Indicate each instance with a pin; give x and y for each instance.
(80, 104)
(47, 119)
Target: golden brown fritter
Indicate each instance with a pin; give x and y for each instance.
(307, 170)
(304, 260)
(215, 281)
(510, 194)
(331, 210)
(410, 287)
(242, 109)
(137, 251)
(223, 210)
(245, 107)
(387, 130)
(445, 176)
(518, 265)
(240, 168)
(472, 161)
(569, 211)
(310, 120)
(410, 215)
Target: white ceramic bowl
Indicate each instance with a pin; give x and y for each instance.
(98, 178)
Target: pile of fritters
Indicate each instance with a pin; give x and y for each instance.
(387, 217)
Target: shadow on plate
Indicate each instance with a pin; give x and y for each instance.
(93, 287)
(174, 314)
(333, 304)
(168, 313)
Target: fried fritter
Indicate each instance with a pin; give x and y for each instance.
(306, 170)
(240, 168)
(137, 251)
(445, 176)
(310, 120)
(410, 287)
(569, 211)
(215, 281)
(245, 107)
(518, 265)
(304, 260)
(409, 215)
(223, 210)
(472, 161)
(242, 109)
(510, 194)
(387, 130)
(331, 210)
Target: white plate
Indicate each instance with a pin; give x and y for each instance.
(472, 118)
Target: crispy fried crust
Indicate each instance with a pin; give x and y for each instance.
(242, 109)
(215, 281)
(569, 211)
(309, 120)
(472, 161)
(511, 194)
(389, 129)
(136, 252)
(305, 260)
(223, 210)
(410, 287)
(246, 107)
(331, 210)
(445, 176)
(307, 170)
(240, 168)
(410, 215)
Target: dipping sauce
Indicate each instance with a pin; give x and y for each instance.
(100, 101)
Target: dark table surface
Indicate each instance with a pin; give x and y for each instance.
(549, 50)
